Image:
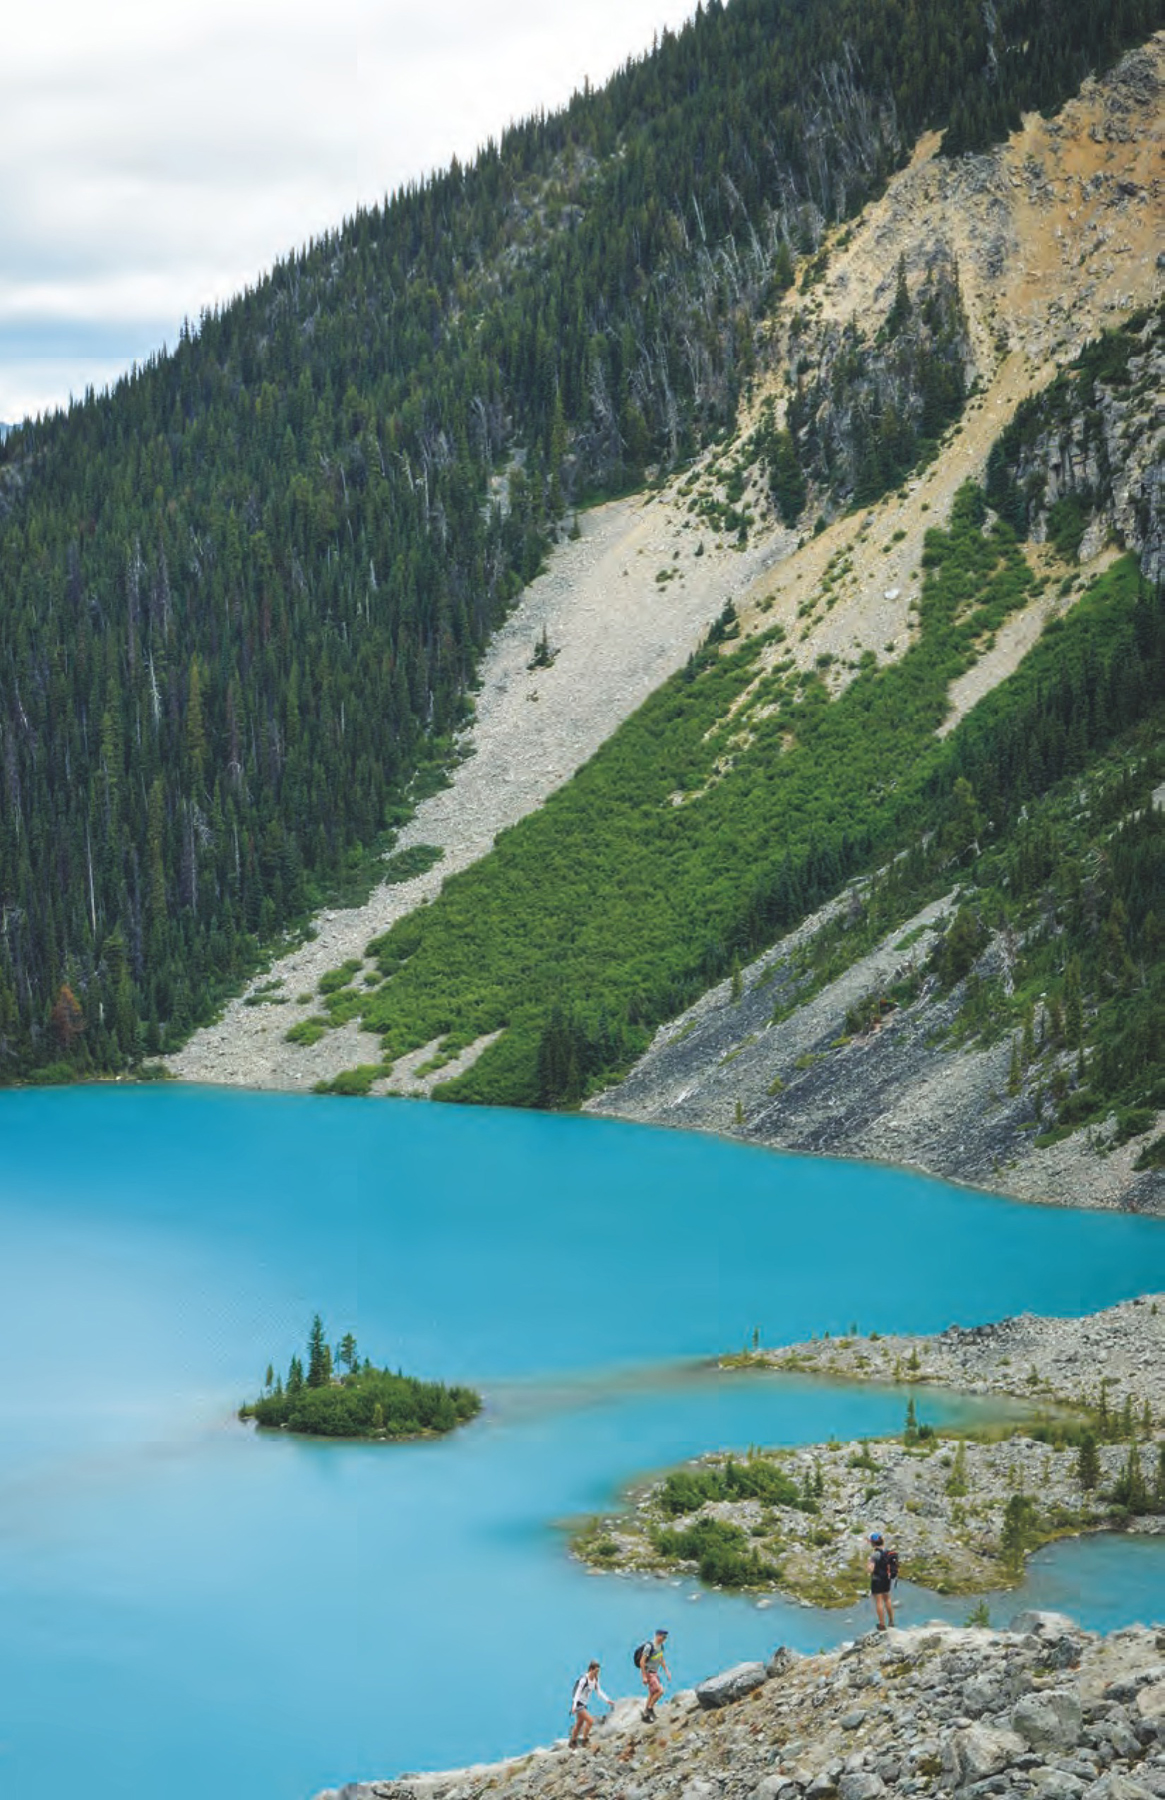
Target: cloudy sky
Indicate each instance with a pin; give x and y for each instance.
(155, 158)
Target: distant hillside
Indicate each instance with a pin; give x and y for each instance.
(243, 597)
(939, 686)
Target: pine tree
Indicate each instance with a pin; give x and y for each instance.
(900, 310)
(1073, 1004)
(66, 1018)
(1130, 1488)
(1015, 1070)
(1088, 1462)
(1019, 1517)
(319, 1357)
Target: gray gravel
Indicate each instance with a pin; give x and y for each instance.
(1042, 1709)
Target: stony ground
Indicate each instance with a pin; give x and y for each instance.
(942, 1506)
(1043, 1709)
(899, 1092)
(1057, 1359)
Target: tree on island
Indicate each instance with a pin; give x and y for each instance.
(361, 1401)
(319, 1357)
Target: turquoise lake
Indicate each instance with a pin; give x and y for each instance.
(190, 1609)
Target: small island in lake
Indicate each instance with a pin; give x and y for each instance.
(340, 1396)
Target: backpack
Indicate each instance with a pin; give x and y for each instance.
(887, 1561)
(642, 1650)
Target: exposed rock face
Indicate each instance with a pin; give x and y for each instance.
(898, 1093)
(909, 379)
(885, 1715)
(1096, 440)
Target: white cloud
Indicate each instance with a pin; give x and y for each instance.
(156, 159)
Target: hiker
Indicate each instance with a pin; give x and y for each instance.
(584, 1690)
(883, 1568)
(650, 1658)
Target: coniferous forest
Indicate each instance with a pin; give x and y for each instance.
(243, 595)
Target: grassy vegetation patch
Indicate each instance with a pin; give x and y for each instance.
(406, 865)
(308, 1031)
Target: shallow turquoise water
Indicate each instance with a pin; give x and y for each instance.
(263, 1618)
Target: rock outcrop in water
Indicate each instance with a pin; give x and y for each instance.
(962, 1510)
(1043, 1709)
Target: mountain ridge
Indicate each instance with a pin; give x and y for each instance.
(1064, 269)
(246, 593)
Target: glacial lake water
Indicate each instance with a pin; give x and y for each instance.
(185, 1608)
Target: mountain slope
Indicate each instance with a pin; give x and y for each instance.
(244, 596)
(830, 600)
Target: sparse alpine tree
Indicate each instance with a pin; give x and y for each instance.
(319, 1357)
(1088, 1463)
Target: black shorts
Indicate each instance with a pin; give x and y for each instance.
(879, 1587)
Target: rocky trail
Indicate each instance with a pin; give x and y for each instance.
(1042, 1709)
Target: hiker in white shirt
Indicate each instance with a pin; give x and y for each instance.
(585, 1689)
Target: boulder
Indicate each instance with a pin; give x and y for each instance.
(1044, 1624)
(1051, 1720)
(1118, 1787)
(983, 1693)
(775, 1787)
(978, 1752)
(1055, 1784)
(733, 1684)
(1151, 1705)
(860, 1784)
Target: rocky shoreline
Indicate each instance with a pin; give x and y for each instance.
(964, 1507)
(1043, 1709)
(900, 1092)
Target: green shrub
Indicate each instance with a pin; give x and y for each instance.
(308, 1031)
(404, 1407)
(757, 1478)
(406, 865)
(352, 1083)
(338, 978)
(722, 1553)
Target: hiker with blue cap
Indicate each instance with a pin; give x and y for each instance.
(883, 1570)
